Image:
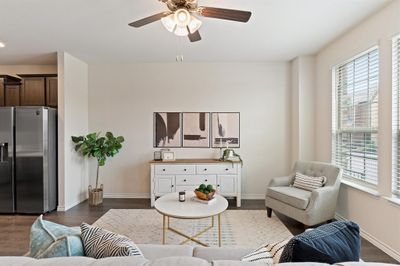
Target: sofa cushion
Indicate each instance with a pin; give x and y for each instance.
(331, 243)
(180, 261)
(16, 261)
(214, 253)
(72, 261)
(235, 263)
(118, 261)
(302, 264)
(100, 243)
(298, 198)
(153, 252)
(49, 240)
(269, 253)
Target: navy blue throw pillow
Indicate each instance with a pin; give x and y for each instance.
(331, 243)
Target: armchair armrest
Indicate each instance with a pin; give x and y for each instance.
(280, 181)
(324, 198)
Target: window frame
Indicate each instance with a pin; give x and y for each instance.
(395, 180)
(336, 116)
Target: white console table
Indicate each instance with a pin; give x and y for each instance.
(188, 174)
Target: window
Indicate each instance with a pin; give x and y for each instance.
(396, 116)
(355, 117)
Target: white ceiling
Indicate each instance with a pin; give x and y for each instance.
(97, 30)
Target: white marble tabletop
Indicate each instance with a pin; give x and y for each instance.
(170, 205)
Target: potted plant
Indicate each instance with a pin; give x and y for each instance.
(100, 147)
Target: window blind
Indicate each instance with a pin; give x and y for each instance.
(396, 116)
(355, 117)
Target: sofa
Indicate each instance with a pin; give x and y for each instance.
(161, 255)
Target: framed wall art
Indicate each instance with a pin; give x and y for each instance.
(196, 130)
(225, 129)
(167, 130)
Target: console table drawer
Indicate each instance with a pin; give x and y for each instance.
(223, 168)
(185, 188)
(196, 180)
(171, 169)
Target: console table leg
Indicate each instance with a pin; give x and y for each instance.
(219, 230)
(164, 230)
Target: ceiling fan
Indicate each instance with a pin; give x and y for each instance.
(181, 20)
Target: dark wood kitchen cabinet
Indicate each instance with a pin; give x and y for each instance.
(2, 99)
(52, 91)
(9, 90)
(33, 91)
(12, 95)
(39, 90)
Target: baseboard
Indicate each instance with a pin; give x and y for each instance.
(63, 208)
(376, 242)
(253, 196)
(127, 195)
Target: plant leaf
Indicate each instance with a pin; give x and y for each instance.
(109, 135)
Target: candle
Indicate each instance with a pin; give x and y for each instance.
(182, 196)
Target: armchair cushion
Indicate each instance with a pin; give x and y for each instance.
(298, 198)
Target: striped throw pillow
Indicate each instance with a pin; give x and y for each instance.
(99, 243)
(308, 182)
(268, 254)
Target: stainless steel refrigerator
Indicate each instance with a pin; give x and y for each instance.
(28, 159)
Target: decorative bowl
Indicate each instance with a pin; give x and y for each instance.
(204, 196)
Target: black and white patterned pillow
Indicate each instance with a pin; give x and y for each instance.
(99, 243)
(268, 254)
(308, 182)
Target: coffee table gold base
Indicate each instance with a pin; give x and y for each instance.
(166, 227)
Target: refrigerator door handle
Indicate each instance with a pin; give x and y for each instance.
(3, 152)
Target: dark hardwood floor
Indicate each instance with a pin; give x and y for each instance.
(14, 229)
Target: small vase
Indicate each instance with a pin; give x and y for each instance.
(95, 196)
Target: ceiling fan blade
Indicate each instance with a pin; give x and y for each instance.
(195, 36)
(222, 13)
(148, 20)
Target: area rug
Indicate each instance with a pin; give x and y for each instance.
(250, 228)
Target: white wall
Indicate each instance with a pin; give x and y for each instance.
(302, 109)
(72, 120)
(122, 99)
(13, 70)
(378, 218)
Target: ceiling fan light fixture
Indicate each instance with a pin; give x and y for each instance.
(171, 26)
(194, 24)
(181, 23)
(169, 23)
(181, 31)
(182, 17)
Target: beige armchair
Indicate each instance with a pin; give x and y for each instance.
(309, 207)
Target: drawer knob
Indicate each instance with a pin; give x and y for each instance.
(163, 170)
(206, 180)
(205, 169)
(218, 185)
(184, 169)
(184, 180)
(172, 185)
(226, 169)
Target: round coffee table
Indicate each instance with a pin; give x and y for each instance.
(169, 206)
